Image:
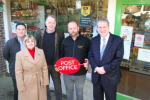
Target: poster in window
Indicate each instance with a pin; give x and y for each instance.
(126, 34)
(139, 40)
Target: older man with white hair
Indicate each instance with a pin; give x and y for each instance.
(49, 39)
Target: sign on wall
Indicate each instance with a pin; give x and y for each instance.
(85, 21)
(85, 10)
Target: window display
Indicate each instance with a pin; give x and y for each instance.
(65, 10)
(25, 12)
(138, 17)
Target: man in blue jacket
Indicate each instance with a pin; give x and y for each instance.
(105, 55)
(11, 47)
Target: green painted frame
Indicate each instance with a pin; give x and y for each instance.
(118, 15)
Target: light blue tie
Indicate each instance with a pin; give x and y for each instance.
(103, 49)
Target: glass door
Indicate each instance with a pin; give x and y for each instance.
(132, 23)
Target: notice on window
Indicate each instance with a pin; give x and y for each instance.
(85, 21)
(143, 55)
(78, 4)
(126, 34)
(139, 40)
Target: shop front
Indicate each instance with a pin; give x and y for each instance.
(132, 23)
(34, 12)
(128, 18)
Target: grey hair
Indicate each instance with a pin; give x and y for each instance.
(103, 20)
(51, 16)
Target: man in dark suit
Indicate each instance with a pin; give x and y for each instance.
(11, 47)
(105, 55)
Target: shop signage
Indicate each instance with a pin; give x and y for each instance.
(139, 40)
(126, 34)
(85, 10)
(68, 65)
(85, 21)
(143, 55)
(78, 4)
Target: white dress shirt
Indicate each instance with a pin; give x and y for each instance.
(21, 44)
(106, 40)
(101, 44)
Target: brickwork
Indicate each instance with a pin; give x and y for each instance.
(3, 68)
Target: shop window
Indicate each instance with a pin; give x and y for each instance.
(135, 31)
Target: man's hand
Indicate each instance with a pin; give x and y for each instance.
(100, 70)
(86, 65)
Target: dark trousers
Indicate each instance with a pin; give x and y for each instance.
(99, 90)
(15, 89)
(57, 83)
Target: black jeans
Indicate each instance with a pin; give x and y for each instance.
(15, 89)
(57, 83)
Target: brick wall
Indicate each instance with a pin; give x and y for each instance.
(3, 69)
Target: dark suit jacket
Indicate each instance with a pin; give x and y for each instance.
(11, 47)
(111, 60)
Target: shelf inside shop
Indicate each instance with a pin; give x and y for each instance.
(141, 30)
(31, 31)
(139, 67)
(21, 16)
(139, 70)
(13, 9)
(29, 22)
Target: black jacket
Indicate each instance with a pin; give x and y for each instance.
(59, 36)
(11, 47)
(77, 49)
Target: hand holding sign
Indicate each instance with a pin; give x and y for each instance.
(68, 65)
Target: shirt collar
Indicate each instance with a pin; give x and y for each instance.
(19, 40)
(107, 37)
(51, 32)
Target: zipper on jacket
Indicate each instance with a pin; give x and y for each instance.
(73, 48)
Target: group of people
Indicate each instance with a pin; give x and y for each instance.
(32, 62)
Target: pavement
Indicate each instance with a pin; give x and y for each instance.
(6, 89)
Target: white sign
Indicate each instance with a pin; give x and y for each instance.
(139, 40)
(41, 17)
(126, 34)
(78, 4)
(143, 55)
(13, 27)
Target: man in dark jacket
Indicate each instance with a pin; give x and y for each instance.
(49, 39)
(76, 46)
(13, 46)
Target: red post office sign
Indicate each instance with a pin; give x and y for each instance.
(68, 65)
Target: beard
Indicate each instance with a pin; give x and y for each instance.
(73, 35)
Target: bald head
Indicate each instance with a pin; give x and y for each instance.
(49, 17)
(73, 22)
